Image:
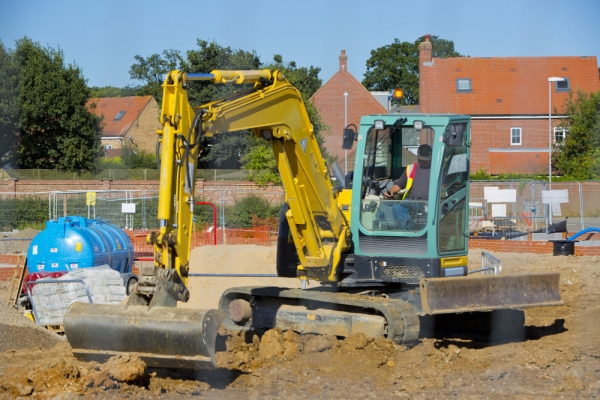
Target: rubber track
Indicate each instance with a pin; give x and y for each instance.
(401, 317)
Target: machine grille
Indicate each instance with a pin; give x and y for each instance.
(404, 273)
(393, 245)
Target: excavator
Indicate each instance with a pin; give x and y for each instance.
(368, 273)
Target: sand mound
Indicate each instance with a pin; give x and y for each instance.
(233, 259)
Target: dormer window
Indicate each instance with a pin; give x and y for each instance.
(119, 115)
(463, 85)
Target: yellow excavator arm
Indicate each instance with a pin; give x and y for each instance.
(274, 110)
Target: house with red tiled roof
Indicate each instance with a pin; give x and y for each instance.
(134, 119)
(515, 103)
(341, 101)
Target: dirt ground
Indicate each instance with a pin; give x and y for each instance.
(558, 356)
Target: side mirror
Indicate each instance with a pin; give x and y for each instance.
(453, 136)
(349, 137)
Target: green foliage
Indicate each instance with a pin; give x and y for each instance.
(56, 129)
(133, 157)
(482, 175)
(240, 214)
(111, 91)
(9, 108)
(260, 161)
(578, 157)
(235, 149)
(210, 56)
(110, 163)
(23, 212)
(397, 65)
(151, 71)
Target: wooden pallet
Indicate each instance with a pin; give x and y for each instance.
(16, 285)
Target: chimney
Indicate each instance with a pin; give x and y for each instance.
(425, 50)
(343, 61)
(425, 61)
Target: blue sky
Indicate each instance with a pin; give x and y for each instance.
(102, 37)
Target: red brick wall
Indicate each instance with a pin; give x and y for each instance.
(495, 134)
(335, 109)
(203, 188)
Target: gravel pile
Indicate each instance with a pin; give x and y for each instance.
(17, 242)
(18, 332)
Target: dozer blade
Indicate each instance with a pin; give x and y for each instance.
(166, 337)
(489, 292)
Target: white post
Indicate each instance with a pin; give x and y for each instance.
(550, 80)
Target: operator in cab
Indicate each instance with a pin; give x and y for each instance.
(414, 181)
(413, 184)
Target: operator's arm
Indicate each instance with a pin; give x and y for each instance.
(398, 187)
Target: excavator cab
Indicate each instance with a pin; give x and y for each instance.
(416, 232)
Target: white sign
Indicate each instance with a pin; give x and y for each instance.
(555, 196)
(128, 208)
(495, 195)
(498, 210)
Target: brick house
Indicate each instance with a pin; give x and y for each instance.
(133, 118)
(341, 101)
(508, 99)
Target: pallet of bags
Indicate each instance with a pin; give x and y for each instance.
(51, 298)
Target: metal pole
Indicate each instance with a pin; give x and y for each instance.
(345, 125)
(550, 131)
(550, 80)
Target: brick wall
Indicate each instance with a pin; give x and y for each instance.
(336, 109)
(530, 157)
(203, 188)
(143, 130)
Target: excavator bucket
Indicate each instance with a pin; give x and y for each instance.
(167, 337)
(489, 292)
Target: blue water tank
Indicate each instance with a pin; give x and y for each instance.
(77, 242)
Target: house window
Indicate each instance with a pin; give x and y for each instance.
(463, 85)
(108, 146)
(563, 86)
(560, 134)
(515, 136)
(119, 115)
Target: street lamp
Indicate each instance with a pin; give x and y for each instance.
(345, 125)
(550, 80)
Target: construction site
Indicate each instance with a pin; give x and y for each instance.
(555, 357)
(334, 285)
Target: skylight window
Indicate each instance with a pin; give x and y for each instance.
(563, 86)
(463, 85)
(119, 115)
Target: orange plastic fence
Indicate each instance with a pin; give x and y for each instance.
(263, 235)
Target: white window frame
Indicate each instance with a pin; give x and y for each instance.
(520, 130)
(108, 146)
(563, 132)
(464, 85)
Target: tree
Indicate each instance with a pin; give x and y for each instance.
(111, 91)
(56, 129)
(578, 156)
(260, 159)
(9, 107)
(133, 157)
(235, 149)
(397, 65)
(152, 71)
